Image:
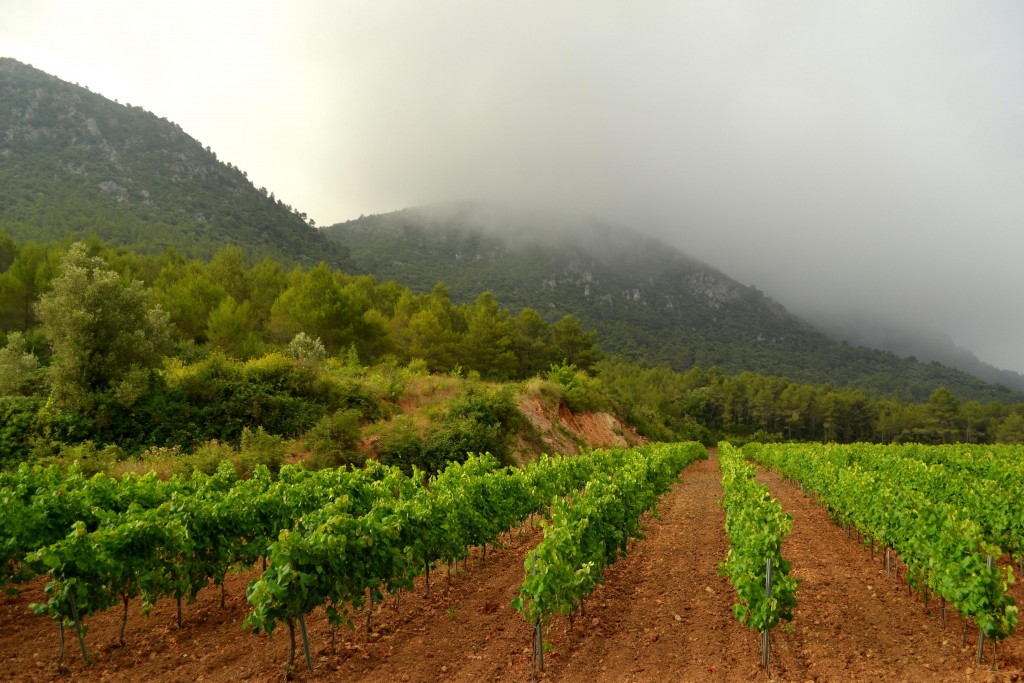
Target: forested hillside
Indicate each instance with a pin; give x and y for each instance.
(106, 346)
(646, 300)
(77, 164)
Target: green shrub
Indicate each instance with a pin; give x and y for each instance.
(479, 420)
(259, 448)
(455, 438)
(333, 439)
(488, 406)
(401, 445)
(206, 458)
(18, 428)
(583, 393)
(90, 459)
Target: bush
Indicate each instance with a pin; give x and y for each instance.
(332, 440)
(18, 428)
(90, 459)
(491, 407)
(401, 445)
(457, 437)
(222, 397)
(206, 458)
(479, 420)
(161, 460)
(259, 448)
(306, 349)
(583, 393)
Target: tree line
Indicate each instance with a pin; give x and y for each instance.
(707, 405)
(106, 344)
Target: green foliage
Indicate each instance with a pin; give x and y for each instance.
(223, 397)
(1011, 430)
(333, 439)
(756, 525)
(233, 328)
(206, 458)
(104, 336)
(583, 393)
(18, 428)
(259, 449)
(943, 509)
(401, 445)
(306, 349)
(88, 458)
(18, 367)
(316, 303)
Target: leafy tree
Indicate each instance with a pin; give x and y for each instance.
(8, 250)
(186, 292)
(573, 345)
(104, 335)
(267, 279)
(314, 303)
(228, 269)
(22, 283)
(233, 327)
(487, 344)
(532, 343)
(17, 366)
(1011, 430)
(306, 349)
(944, 409)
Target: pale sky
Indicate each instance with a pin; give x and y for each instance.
(848, 158)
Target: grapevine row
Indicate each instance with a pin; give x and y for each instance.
(340, 561)
(193, 538)
(756, 526)
(590, 529)
(944, 549)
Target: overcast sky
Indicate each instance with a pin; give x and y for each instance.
(845, 157)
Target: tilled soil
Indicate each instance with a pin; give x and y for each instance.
(664, 613)
(857, 621)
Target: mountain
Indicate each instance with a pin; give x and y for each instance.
(73, 163)
(647, 300)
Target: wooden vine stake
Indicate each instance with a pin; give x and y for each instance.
(305, 641)
(766, 644)
(537, 663)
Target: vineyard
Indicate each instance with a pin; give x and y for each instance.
(878, 560)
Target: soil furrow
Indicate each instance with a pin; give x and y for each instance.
(856, 622)
(664, 612)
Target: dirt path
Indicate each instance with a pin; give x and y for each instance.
(664, 612)
(855, 622)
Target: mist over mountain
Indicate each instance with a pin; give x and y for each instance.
(76, 163)
(924, 345)
(646, 299)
